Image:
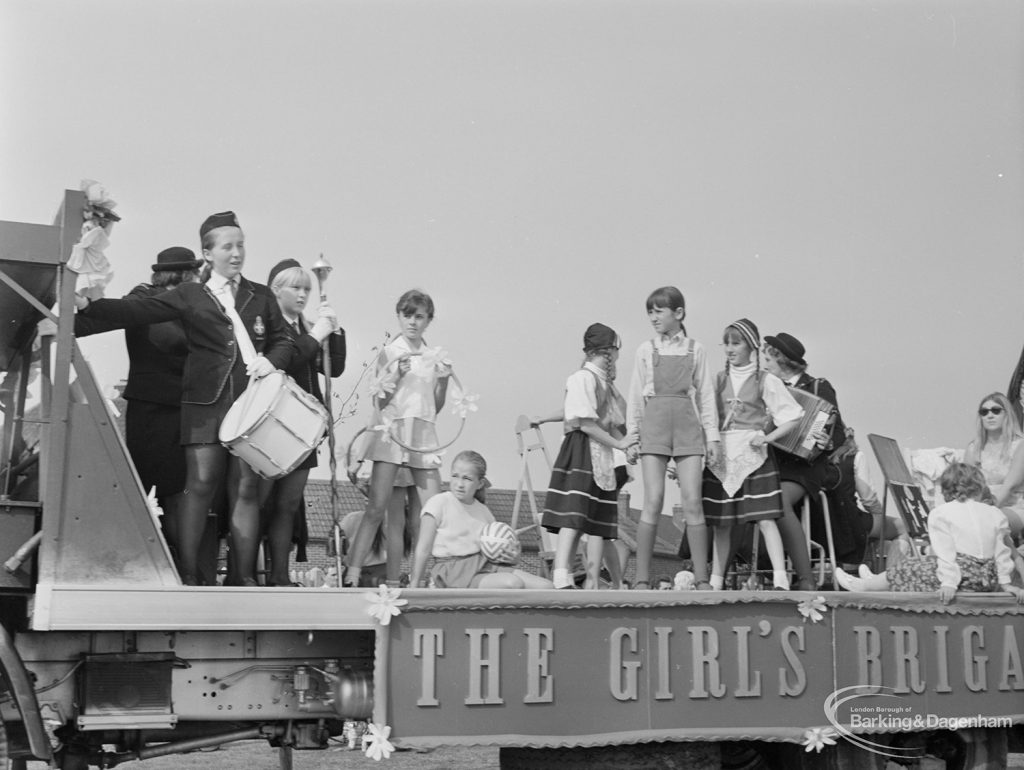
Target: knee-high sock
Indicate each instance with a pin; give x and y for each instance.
(721, 552)
(697, 537)
(645, 534)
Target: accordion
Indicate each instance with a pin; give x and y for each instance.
(819, 415)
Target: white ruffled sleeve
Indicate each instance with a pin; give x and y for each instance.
(781, 405)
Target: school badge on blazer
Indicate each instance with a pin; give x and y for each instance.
(258, 328)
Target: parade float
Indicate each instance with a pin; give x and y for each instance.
(106, 657)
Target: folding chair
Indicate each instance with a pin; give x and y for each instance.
(904, 490)
(830, 551)
(527, 444)
(900, 483)
(826, 554)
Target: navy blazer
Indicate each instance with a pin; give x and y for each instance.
(156, 353)
(308, 360)
(212, 351)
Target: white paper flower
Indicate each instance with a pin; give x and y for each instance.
(465, 403)
(813, 608)
(385, 428)
(433, 458)
(381, 387)
(433, 358)
(817, 738)
(97, 194)
(375, 739)
(385, 604)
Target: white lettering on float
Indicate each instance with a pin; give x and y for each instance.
(622, 673)
(907, 654)
(427, 644)
(478, 662)
(540, 685)
(897, 651)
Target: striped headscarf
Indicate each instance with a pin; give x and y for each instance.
(749, 332)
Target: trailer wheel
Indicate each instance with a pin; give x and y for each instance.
(649, 756)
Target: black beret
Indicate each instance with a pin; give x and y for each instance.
(223, 219)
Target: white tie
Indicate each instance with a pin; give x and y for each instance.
(227, 301)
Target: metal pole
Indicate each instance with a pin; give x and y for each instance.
(321, 269)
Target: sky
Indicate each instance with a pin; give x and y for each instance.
(850, 172)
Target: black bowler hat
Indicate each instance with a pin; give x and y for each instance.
(789, 346)
(598, 336)
(223, 219)
(176, 258)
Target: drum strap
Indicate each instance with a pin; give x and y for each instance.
(227, 301)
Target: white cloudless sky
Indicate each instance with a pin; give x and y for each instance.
(850, 172)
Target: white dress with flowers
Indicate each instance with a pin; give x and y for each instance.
(410, 415)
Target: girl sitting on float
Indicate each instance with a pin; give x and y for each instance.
(451, 527)
(968, 542)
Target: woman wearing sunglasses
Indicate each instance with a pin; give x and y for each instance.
(998, 449)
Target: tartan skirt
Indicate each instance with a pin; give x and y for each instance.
(574, 500)
(759, 497)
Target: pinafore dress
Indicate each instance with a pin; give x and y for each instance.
(760, 496)
(671, 425)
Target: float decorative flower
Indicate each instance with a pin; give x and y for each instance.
(378, 746)
(464, 403)
(434, 458)
(813, 608)
(381, 387)
(433, 358)
(385, 604)
(385, 428)
(817, 738)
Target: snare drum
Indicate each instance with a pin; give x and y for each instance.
(274, 425)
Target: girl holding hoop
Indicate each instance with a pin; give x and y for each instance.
(409, 390)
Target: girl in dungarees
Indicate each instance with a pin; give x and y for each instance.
(673, 414)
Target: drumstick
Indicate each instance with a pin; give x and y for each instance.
(321, 269)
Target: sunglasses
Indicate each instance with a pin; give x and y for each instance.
(990, 410)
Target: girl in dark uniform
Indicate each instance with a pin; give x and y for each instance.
(235, 331)
(291, 285)
(784, 357)
(156, 361)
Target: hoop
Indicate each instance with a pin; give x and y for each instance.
(453, 380)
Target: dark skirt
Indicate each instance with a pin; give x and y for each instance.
(200, 423)
(921, 574)
(574, 500)
(759, 497)
(153, 436)
(809, 475)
